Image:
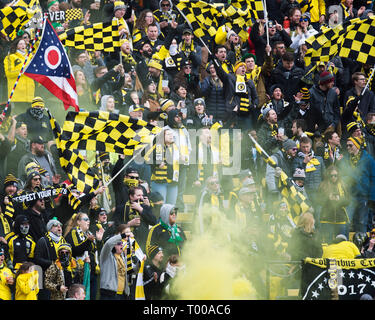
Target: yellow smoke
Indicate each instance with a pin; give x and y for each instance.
(213, 267)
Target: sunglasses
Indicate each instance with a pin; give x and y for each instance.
(102, 213)
(333, 175)
(119, 244)
(165, 5)
(85, 219)
(136, 178)
(36, 179)
(303, 19)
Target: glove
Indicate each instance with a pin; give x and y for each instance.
(278, 172)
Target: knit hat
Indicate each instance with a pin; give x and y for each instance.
(356, 142)
(32, 174)
(52, 223)
(249, 55)
(65, 246)
(231, 33)
(199, 101)
(274, 87)
(265, 111)
(153, 251)
(119, 5)
(299, 174)
(305, 95)
(32, 166)
(155, 64)
(165, 104)
(289, 144)
(10, 180)
(134, 108)
(237, 65)
(37, 102)
(352, 126)
(326, 77)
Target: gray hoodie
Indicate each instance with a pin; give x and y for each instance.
(165, 210)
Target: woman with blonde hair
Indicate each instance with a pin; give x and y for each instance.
(305, 241)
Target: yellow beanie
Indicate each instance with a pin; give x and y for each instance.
(356, 142)
(155, 64)
(37, 102)
(238, 64)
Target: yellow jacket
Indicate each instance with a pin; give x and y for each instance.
(5, 293)
(25, 88)
(317, 8)
(27, 286)
(341, 250)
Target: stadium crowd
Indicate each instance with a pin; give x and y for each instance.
(315, 125)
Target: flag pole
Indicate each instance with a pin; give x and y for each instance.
(20, 74)
(266, 18)
(132, 159)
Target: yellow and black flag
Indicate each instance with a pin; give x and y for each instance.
(12, 19)
(73, 163)
(106, 132)
(358, 43)
(295, 199)
(202, 16)
(102, 36)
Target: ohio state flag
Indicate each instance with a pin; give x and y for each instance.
(50, 67)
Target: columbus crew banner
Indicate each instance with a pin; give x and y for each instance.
(346, 279)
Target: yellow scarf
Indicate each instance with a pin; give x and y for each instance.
(310, 166)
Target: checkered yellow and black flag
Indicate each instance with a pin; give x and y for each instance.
(295, 199)
(73, 163)
(202, 16)
(73, 14)
(358, 43)
(12, 19)
(353, 39)
(106, 132)
(102, 36)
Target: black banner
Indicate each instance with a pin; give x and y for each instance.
(43, 194)
(346, 279)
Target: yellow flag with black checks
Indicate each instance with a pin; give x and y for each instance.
(202, 17)
(73, 163)
(102, 36)
(13, 19)
(106, 132)
(296, 200)
(358, 43)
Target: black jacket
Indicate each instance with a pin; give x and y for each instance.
(289, 80)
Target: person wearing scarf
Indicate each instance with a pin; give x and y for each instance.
(361, 177)
(166, 234)
(64, 272)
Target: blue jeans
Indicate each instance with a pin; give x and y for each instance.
(167, 190)
(359, 215)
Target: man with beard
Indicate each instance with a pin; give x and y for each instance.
(40, 156)
(37, 217)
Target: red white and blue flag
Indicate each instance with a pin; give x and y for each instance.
(50, 67)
